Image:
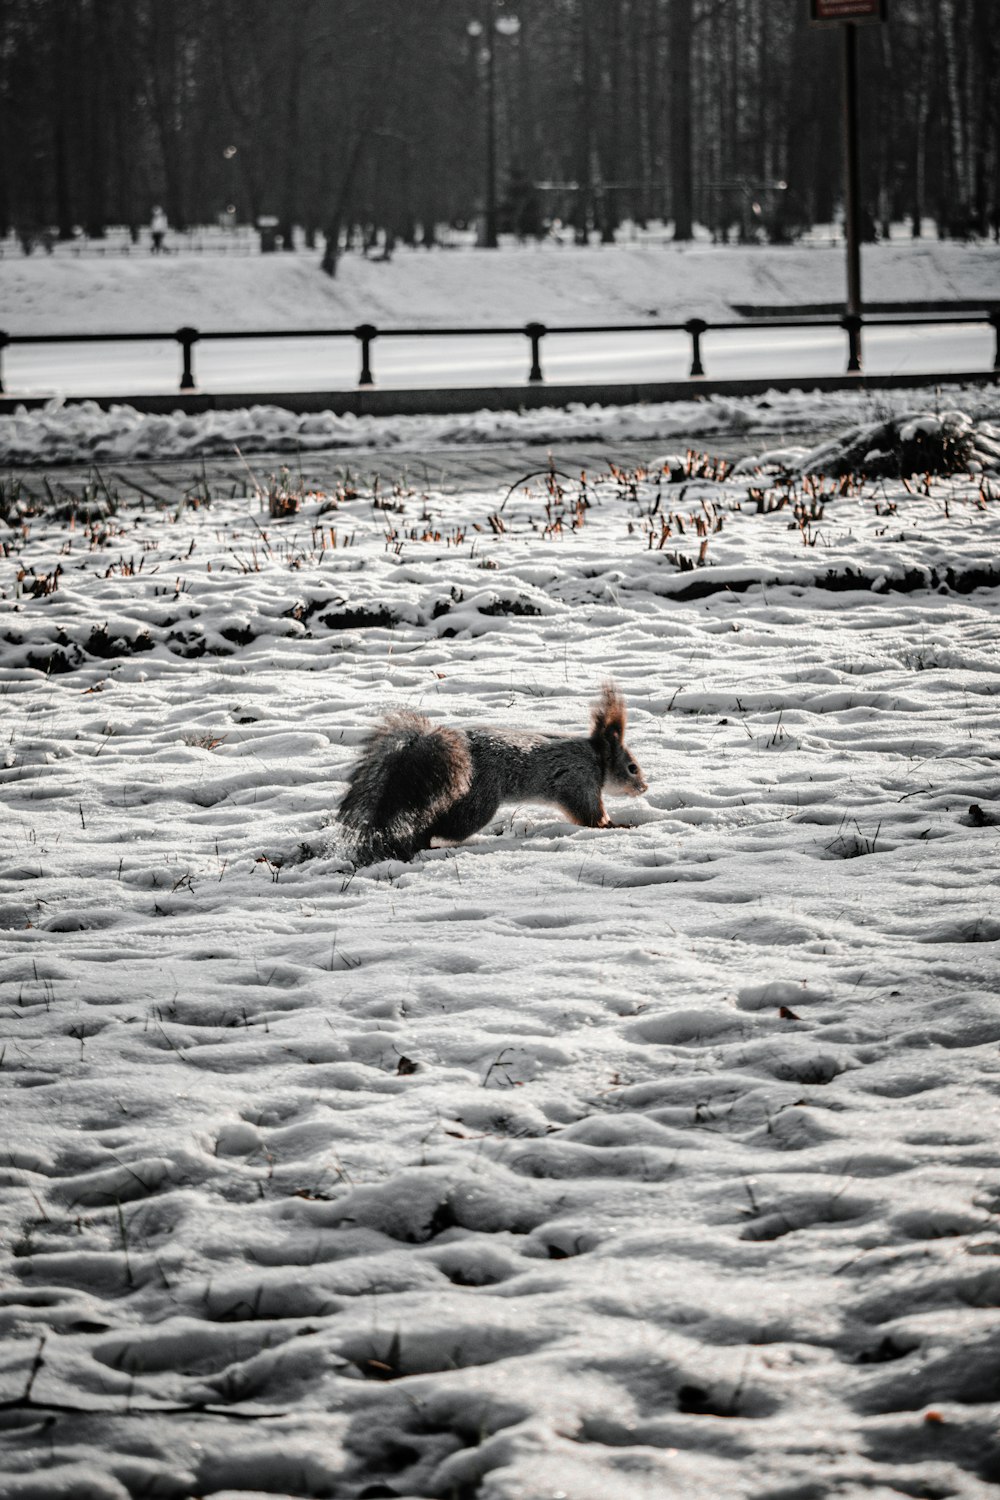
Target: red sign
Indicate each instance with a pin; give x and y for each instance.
(823, 12)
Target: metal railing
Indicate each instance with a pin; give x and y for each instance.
(367, 333)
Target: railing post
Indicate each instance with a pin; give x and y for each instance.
(4, 341)
(994, 319)
(696, 327)
(366, 332)
(852, 322)
(535, 332)
(187, 338)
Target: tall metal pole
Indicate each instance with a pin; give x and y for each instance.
(849, 14)
(491, 129)
(852, 217)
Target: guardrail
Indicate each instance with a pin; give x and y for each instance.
(367, 333)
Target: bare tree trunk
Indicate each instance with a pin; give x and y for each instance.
(5, 182)
(293, 118)
(612, 158)
(63, 89)
(681, 163)
(528, 123)
(986, 113)
(883, 166)
(923, 106)
(338, 213)
(959, 207)
(764, 62)
(584, 129)
(98, 53)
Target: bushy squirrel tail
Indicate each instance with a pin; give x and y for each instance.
(408, 773)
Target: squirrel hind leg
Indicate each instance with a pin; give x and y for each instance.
(584, 808)
(464, 817)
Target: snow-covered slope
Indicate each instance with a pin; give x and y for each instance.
(634, 1162)
(552, 282)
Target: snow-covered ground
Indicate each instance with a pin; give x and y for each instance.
(550, 282)
(648, 1161)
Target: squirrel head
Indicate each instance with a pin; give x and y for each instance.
(621, 771)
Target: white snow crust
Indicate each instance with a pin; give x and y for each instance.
(638, 1162)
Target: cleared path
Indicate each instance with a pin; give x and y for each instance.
(297, 364)
(486, 467)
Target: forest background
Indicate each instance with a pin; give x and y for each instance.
(367, 120)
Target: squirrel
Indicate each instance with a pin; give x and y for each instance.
(416, 781)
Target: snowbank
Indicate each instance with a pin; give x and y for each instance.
(59, 433)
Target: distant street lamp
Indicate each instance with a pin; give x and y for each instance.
(228, 153)
(502, 25)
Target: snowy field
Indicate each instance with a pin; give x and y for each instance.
(616, 1164)
(558, 284)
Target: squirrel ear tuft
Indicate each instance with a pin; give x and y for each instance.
(609, 713)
